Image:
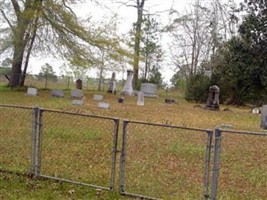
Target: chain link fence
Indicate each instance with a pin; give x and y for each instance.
(164, 161)
(240, 170)
(157, 160)
(86, 145)
(63, 82)
(16, 138)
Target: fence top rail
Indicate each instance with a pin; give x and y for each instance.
(167, 125)
(244, 132)
(79, 114)
(16, 106)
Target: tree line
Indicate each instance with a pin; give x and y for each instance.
(210, 44)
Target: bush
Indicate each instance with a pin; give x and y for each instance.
(197, 88)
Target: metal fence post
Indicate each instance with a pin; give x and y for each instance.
(36, 130)
(207, 164)
(122, 159)
(34, 139)
(39, 143)
(114, 153)
(217, 151)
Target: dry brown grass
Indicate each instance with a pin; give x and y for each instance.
(160, 162)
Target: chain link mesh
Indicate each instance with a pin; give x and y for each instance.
(243, 166)
(164, 162)
(15, 138)
(77, 147)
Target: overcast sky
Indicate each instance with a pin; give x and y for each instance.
(127, 16)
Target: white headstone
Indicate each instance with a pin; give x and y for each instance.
(263, 123)
(103, 105)
(31, 91)
(128, 87)
(98, 97)
(76, 93)
(77, 102)
(140, 99)
(57, 93)
(149, 89)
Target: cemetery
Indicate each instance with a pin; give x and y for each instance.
(134, 99)
(170, 109)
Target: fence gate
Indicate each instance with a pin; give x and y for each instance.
(69, 144)
(241, 158)
(160, 161)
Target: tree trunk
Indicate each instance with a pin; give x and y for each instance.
(16, 68)
(137, 39)
(22, 80)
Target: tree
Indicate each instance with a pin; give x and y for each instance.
(150, 49)
(197, 34)
(137, 39)
(155, 76)
(150, 46)
(48, 26)
(178, 81)
(240, 65)
(47, 72)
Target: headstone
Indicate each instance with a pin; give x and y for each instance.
(213, 98)
(121, 99)
(170, 101)
(32, 91)
(57, 93)
(103, 105)
(140, 99)
(112, 84)
(128, 88)
(149, 89)
(255, 111)
(263, 123)
(77, 102)
(79, 84)
(76, 93)
(98, 97)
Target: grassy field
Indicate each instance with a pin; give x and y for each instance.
(161, 162)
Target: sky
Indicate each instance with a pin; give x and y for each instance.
(127, 16)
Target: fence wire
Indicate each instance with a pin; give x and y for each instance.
(157, 160)
(163, 162)
(243, 165)
(80, 148)
(15, 138)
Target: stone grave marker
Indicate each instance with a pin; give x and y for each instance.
(32, 91)
(77, 102)
(98, 97)
(103, 105)
(140, 99)
(149, 89)
(57, 93)
(213, 98)
(76, 93)
(79, 84)
(263, 123)
(120, 99)
(128, 87)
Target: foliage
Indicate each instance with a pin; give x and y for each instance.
(150, 50)
(197, 88)
(50, 27)
(240, 65)
(47, 72)
(5, 70)
(178, 81)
